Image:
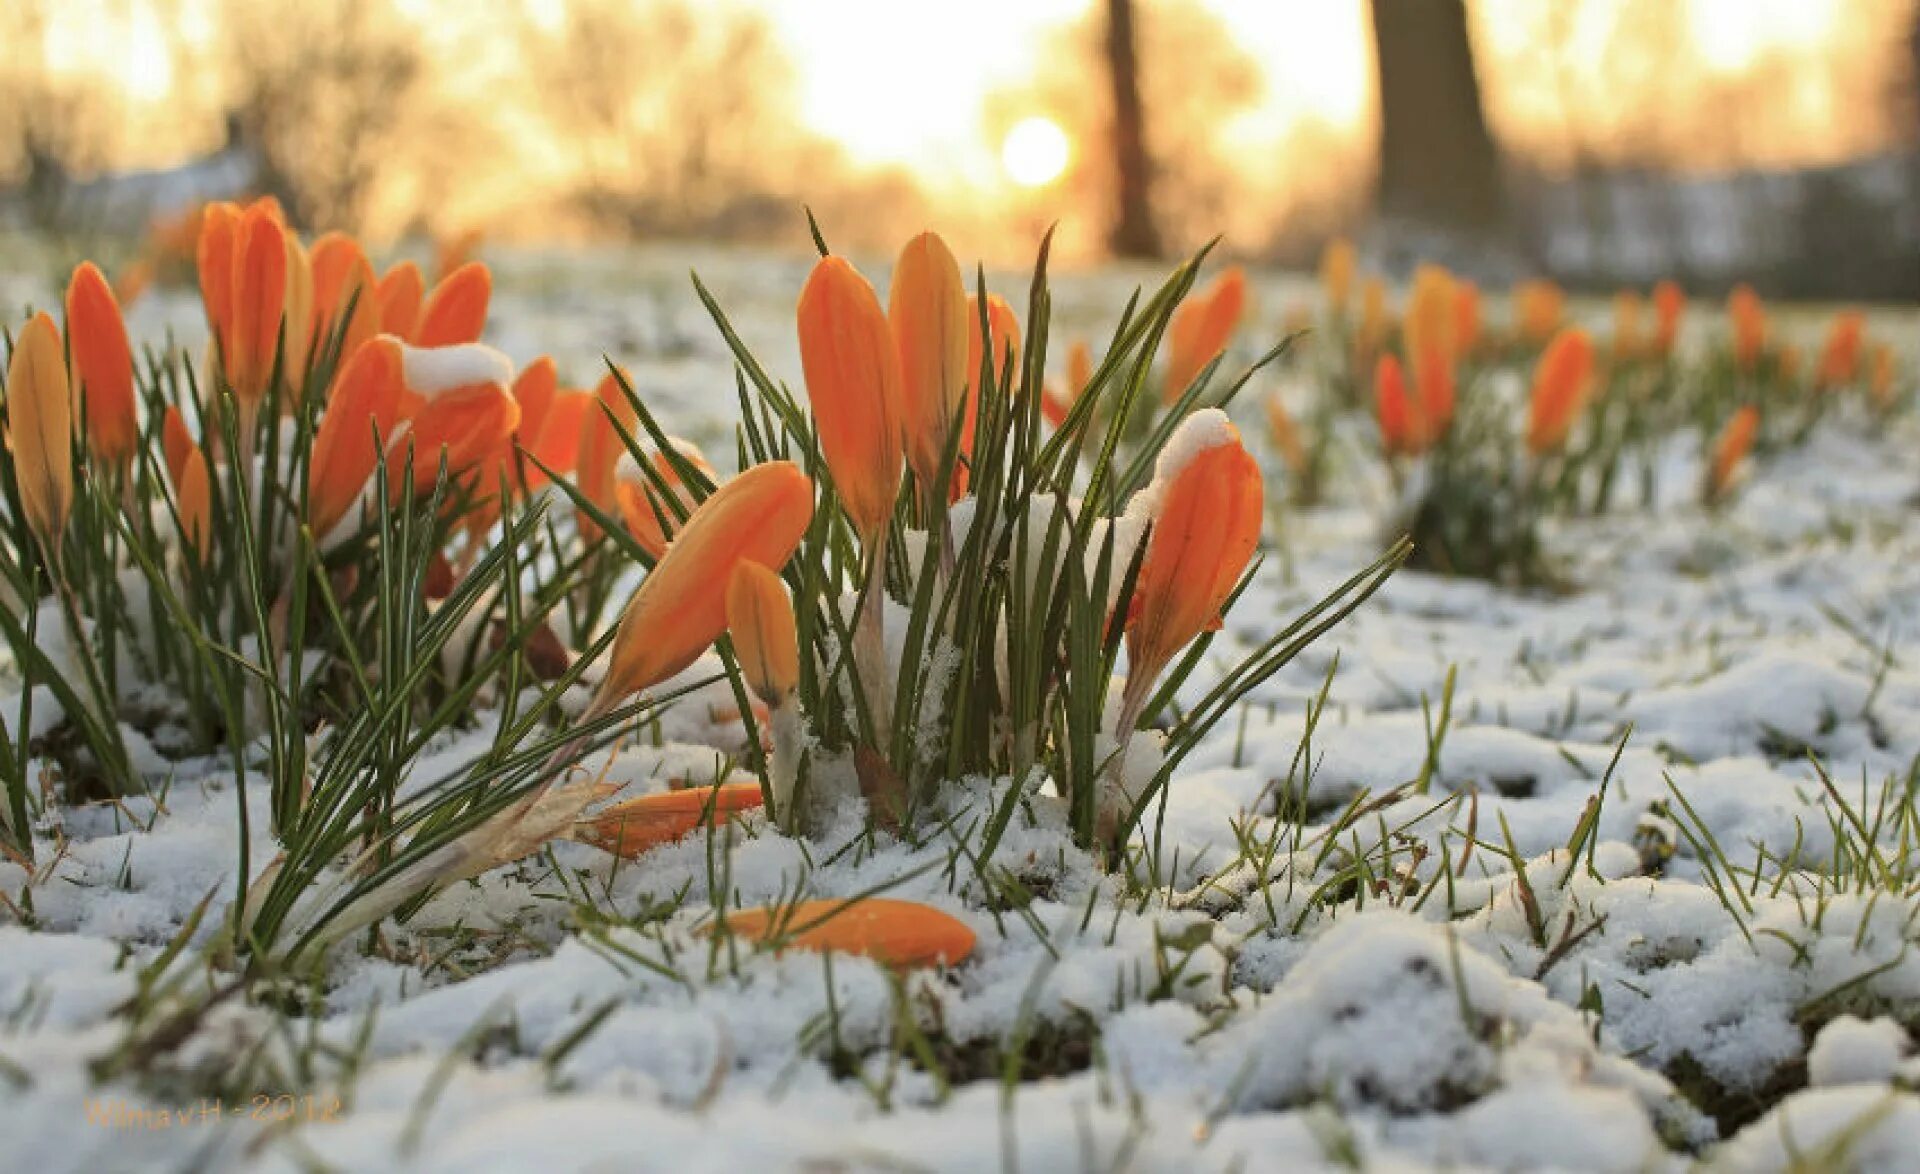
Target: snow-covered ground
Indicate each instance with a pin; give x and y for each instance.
(1342, 970)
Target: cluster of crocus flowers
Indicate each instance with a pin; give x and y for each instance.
(1730, 449)
(1201, 328)
(1562, 380)
(902, 935)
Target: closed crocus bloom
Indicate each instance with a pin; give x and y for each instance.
(175, 443)
(1205, 505)
(1880, 376)
(1466, 317)
(1538, 306)
(1433, 377)
(1840, 353)
(1626, 324)
(1669, 304)
(680, 607)
(898, 934)
(213, 258)
(1201, 329)
(635, 826)
(466, 419)
(639, 499)
(765, 641)
(363, 408)
(456, 311)
(1286, 434)
(102, 367)
(1399, 418)
(40, 430)
(1003, 354)
(927, 309)
(853, 382)
(299, 309)
(1749, 317)
(400, 292)
(196, 505)
(1428, 327)
(1337, 263)
(600, 449)
(537, 390)
(343, 283)
(1729, 449)
(1560, 383)
(259, 290)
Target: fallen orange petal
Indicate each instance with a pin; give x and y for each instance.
(636, 825)
(899, 934)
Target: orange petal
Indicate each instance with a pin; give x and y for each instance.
(1429, 326)
(559, 443)
(1003, 331)
(760, 620)
(1399, 432)
(1560, 384)
(400, 292)
(196, 505)
(1538, 306)
(1626, 324)
(299, 311)
(1669, 303)
(1433, 375)
(259, 300)
(899, 934)
(175, 443)
(636, 825)
(457, 310)
(469, 427)
(40, 428)
(103, 366)
(1201, 329)
(680, 607)
(1206, 527)
(927, 310)
(363, 407)
(854, 384)
(1749, 317)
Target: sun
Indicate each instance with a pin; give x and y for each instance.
(1035, 152)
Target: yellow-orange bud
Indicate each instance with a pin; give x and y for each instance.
(853, 382)
(1201, 329)
(102, 367)
(927, 310)
(40, 429)
(1560, 384)
(196, 505)
(1729, 449)
(760, 620)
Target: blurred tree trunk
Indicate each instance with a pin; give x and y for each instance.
(1437, 159)
(1133, 233)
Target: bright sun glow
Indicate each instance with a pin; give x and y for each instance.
(1035, 152)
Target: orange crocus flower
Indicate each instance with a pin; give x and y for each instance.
(551, 421)
(1669, 303)
(598, 455)
(635, 826)
(1626, 324)
(196, 505)
(641, 507)
(1433, 377)
(1003, 329)
(469, 426)
(765, 640)
(898, 934)
(1538, 306)
(175, 443)
(251, 335)
(853, 379)
(299, 311)
(400, 292)
(40, 430)
(213, 259)
(1428, 328)
(1466, 317)
(1337, 264)
(363, 408)
(1206, 519)
(342, 276)
(103, 367)
(1560, 384)
(1840, 353)
(680, 607)
(1729, 449)
(1749, 317)
(1054, 403)
(1201, 329)
(456, 311)
(1374, 316)
(927, 311)
(1401, 429)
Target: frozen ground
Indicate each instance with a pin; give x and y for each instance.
(1722, 973)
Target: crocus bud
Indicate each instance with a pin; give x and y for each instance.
(1205, 505)
(343, 277)
(1880, 378)
(1840, 353)
(1201, 329)
(1729, 449)
(213, 258)
(1428, 328)
(927, 309)
(196, 505)
(40, 430)
(898, 934)
(680, 607)
(760, 620)
(1669, 303)
(1560, 383)
(1433, 377)
(400, 293)
(363, 408)
(102, 366)
(259, 291)
(456, 311)
(1749, 318)
(175, 443)
(1002, 352)
(1538, 306)
(1337, 263)
(854, 384)
(1400, 427)
(299, 310)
